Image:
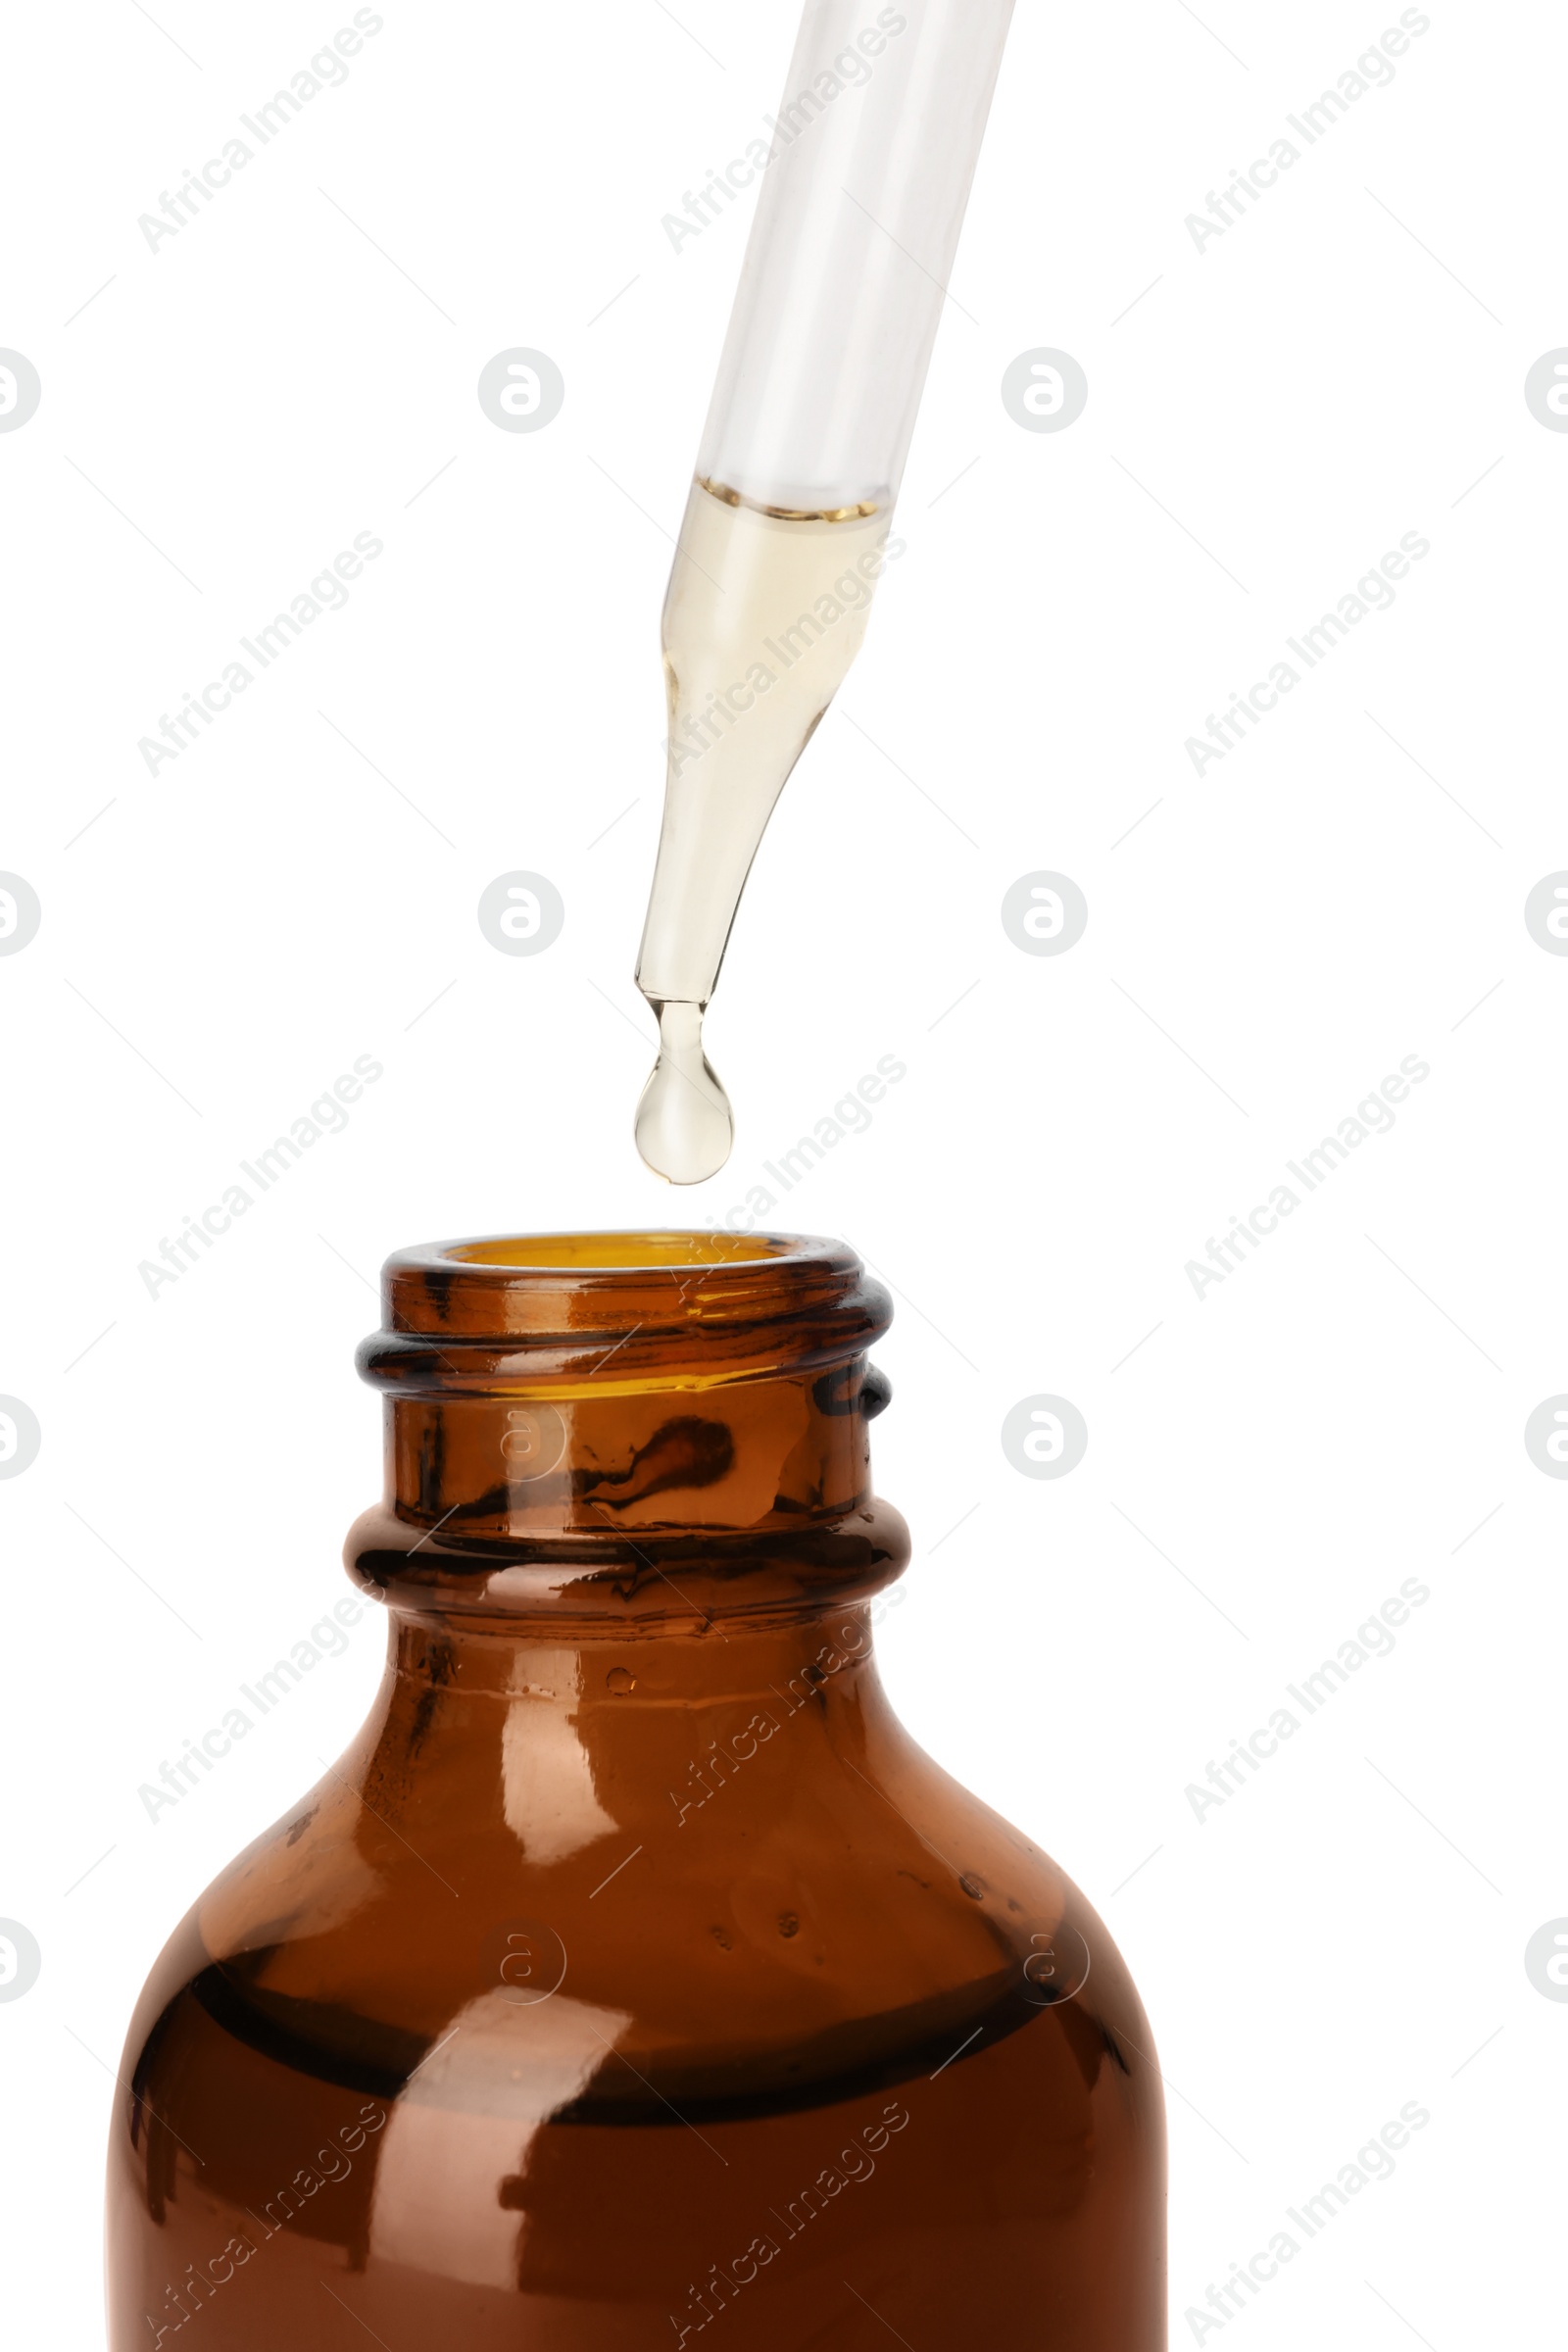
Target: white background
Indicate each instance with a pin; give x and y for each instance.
(1342, 366)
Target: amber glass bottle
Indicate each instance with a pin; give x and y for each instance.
(635, 1980)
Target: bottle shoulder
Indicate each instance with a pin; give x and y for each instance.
(797, 1939)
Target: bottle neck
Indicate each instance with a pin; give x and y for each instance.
(642, 1734)
(748, 1457)
(629, 1435)
(800, 1661)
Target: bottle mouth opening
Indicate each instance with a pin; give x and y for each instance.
(619, 1253)
(637, 1306)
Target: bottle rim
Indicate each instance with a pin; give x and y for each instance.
(483, 1314)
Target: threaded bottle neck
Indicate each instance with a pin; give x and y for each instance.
(578, 1416)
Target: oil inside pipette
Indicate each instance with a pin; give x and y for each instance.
(685, 1126)
(766, 610)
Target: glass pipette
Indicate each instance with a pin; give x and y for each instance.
(844, 277)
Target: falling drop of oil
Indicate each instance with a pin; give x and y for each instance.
(685, 1126)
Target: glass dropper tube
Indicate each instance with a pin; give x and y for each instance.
(845, 277)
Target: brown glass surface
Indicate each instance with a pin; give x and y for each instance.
(634, 1980)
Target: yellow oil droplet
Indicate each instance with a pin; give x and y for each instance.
(685, 1126)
